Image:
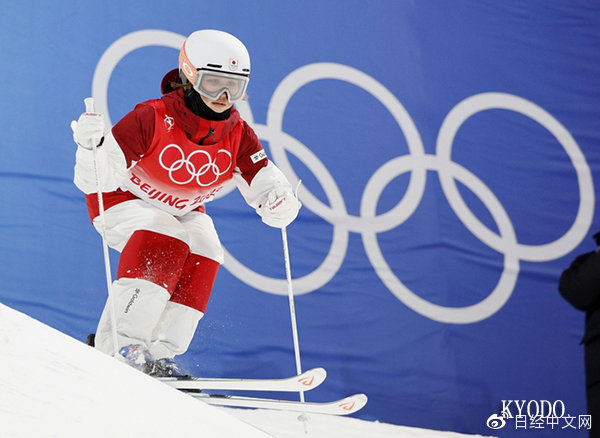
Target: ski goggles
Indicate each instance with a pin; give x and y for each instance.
(212, 84)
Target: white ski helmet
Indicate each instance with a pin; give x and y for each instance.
(215, 62)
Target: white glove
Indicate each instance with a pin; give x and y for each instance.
(279, 209)
(88, 131)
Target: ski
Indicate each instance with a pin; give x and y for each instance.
(345, 406)
(304, 382)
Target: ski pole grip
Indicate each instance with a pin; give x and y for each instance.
(89, 104)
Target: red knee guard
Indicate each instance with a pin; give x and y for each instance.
(196, 282)
(154, 257)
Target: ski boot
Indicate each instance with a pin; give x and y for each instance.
(136, 356)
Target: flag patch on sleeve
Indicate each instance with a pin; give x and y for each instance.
(260, 155)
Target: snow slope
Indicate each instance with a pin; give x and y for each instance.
(288, 425)
(52, 385)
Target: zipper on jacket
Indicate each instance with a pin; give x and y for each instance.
(211, 131)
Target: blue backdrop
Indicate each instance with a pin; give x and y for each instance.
(447, 152)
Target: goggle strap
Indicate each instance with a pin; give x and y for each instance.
(186, 65)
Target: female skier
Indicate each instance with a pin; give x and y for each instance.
(157, 167)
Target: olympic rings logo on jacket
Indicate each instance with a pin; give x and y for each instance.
(197, 164)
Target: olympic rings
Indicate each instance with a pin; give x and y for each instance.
(210, 166)
(369, 224)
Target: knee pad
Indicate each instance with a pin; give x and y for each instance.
(196, 282)
(153, 257)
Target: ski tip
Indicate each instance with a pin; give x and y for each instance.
(352, 404)
(316, 371)
(312, 378)
(321, 372)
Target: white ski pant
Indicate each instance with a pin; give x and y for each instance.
(150, 308)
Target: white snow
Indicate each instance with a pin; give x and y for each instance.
(289, 425)
(52, 385)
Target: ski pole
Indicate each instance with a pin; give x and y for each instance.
(89, 108)
(288, 274)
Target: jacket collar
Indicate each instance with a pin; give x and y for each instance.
(198, 129)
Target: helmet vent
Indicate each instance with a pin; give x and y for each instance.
(246, 69)
(214, 65)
